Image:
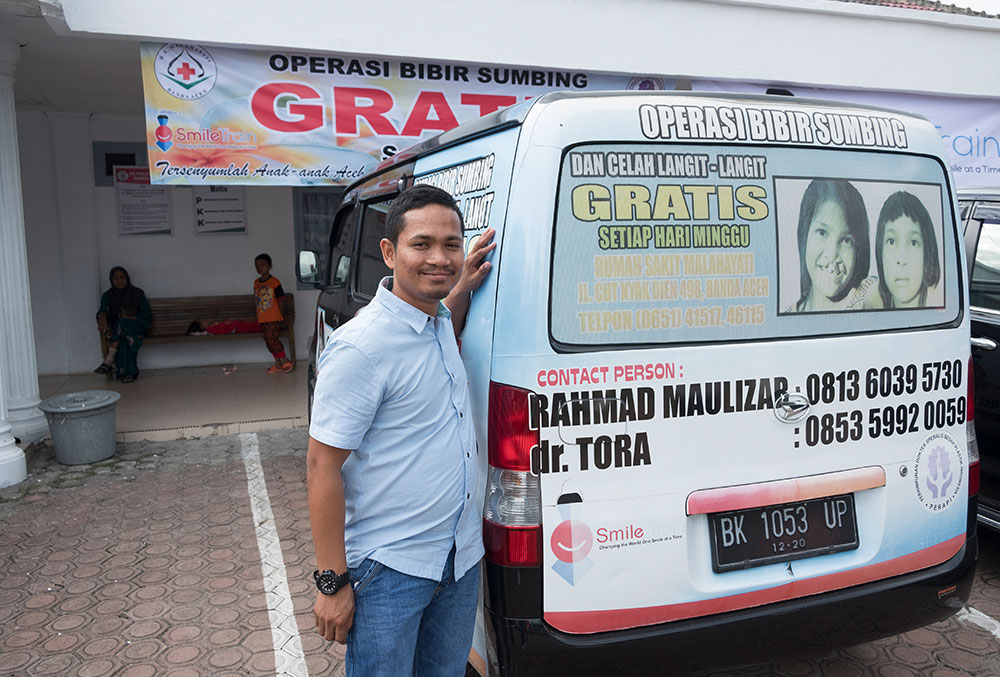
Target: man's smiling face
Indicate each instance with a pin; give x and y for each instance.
(426, 261)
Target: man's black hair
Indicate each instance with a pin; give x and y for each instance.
(266, 258)
(415, 198)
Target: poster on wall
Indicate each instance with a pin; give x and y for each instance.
(219, 210)
(237, 116)
(143, 209)
(969, 127)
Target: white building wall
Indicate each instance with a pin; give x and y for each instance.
(72, 242)
(817, 42)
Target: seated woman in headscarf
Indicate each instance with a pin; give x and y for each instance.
(124, 318)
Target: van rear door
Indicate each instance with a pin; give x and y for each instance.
(754, 384)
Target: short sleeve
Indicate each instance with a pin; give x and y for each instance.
(279, 292)
(347, 396)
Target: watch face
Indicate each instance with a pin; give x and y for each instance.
(329, 583)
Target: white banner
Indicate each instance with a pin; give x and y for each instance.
(217, 115)
(970, 128)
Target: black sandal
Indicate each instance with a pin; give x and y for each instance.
(103, 369)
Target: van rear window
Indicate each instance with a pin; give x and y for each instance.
(662, 243)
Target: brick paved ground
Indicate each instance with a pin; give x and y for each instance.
(148, 564)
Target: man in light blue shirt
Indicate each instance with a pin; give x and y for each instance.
(392, 461)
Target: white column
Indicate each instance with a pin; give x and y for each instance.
(13, 467)
(19, 376)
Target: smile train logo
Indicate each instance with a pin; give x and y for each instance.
(571, 542)
(164, 134)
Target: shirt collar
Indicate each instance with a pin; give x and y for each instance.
(411, 315)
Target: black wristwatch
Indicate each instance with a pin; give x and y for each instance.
(329, 583)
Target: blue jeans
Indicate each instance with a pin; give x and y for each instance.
(404, 624)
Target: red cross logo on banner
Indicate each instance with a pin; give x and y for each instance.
(186, 71)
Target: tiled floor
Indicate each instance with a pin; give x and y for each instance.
(169, 404)
(153, 563)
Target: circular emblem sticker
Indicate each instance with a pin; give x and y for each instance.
(938, 472)
(185, 71)
(646, 83)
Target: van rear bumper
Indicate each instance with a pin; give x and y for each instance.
(805, 626)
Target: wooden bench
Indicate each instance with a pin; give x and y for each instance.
(172, 316)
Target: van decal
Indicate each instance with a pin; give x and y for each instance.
(881, 402)
(751, 245)
(643, 451)
(750, 123)
(721, 397)
(571, 543)
(467, 183)
(676, 165)
(639, 404)
(596, 375)
(938, 470)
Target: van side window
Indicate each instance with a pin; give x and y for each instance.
(340, 248)
(371, 267)
(313, 208)
(985, 284)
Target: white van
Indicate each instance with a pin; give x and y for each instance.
(721, 368)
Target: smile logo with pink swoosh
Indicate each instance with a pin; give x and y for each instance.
(571, 542)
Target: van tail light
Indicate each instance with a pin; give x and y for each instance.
(512, 530)
(970, 434)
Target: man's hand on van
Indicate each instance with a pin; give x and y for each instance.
(335, 614)
(475, 268)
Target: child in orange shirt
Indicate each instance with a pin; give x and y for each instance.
(268, 293)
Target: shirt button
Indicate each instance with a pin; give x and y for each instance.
(467, 496)
(468, 455)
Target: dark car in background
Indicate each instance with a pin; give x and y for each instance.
(979, 211)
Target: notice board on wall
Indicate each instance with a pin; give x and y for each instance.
(143, 209)
(219, 210)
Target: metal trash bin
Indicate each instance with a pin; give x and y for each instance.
(82, 425)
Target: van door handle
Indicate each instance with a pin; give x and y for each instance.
(790, 407)
(983, 343)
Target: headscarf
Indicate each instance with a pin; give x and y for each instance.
(122, 300)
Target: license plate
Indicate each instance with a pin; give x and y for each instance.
(780, 533)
